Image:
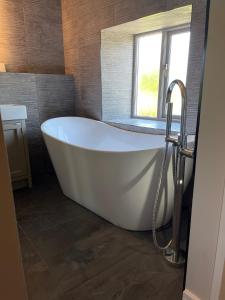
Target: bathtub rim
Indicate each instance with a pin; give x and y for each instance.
(97, 150)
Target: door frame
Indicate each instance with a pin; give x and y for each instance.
(12, 281)
(206, 248)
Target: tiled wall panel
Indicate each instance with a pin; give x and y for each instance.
(117, 73)
(196, 62)
(55, 96)
(45, 96)
(12, 37)
(82, 24)
(31, 36)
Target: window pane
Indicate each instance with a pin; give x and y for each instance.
(178, 65)
(148, 64)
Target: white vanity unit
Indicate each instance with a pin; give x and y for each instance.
(13, 118)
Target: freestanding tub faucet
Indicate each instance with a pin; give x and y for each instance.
(172, 251)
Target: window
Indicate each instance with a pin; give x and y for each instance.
(160, 57)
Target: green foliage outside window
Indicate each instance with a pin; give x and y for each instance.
(149, 84)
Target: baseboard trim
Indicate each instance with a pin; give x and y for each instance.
(187, 295)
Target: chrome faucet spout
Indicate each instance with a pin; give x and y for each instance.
(182, 88)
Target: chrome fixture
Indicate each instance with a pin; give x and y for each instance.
(172, 251)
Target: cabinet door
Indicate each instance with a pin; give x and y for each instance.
(16, 150)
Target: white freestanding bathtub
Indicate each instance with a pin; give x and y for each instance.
(110, 171)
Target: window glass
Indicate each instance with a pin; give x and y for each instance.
(148, 72)
(179, 50)
(149, 81)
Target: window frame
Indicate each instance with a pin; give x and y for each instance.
(163, 72)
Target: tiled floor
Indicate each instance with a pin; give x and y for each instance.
(70, 253)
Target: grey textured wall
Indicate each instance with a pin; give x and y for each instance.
(116, 72)
(83, 21)
(45, 96)
(31, 36)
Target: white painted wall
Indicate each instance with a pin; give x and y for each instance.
(210, 169)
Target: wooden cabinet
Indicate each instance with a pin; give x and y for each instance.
(15, 139)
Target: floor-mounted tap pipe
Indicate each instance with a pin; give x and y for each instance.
(173, 253)
(179, 142)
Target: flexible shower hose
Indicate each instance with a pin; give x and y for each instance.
(159, 187)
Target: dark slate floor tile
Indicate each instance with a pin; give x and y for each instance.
(41, 196)
(52, 241)
(40, 209)
(44, 216)
(40, 283)
(57, 239)
(71, 253)
(88, 257)
(85, 225)
(132, 279)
